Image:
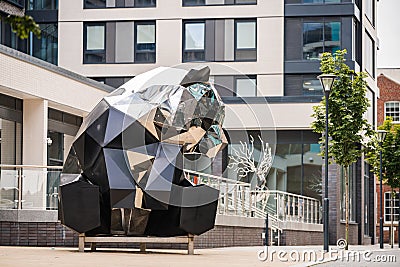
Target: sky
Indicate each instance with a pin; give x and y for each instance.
(388, 27)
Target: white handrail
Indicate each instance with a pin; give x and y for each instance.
(237, 198)
(30, 166)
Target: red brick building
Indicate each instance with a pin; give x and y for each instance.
(388, 105)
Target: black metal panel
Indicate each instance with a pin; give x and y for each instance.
(303, 66)
(80, 205)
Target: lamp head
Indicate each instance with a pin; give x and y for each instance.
(381, 135)
(327, 81)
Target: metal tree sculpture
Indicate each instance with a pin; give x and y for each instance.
(242, 161)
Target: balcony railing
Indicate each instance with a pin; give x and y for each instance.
(29, 187)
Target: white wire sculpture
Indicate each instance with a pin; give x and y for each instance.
(243, 163)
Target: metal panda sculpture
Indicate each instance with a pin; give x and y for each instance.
(124, 172)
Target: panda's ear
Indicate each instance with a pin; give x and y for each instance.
(195, 75)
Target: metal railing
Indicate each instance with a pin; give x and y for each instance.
(289, 207)
(237, 198)
(29, 186)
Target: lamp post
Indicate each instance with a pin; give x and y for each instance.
(381, 138)
(327, 81)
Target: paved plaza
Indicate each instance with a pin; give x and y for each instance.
(238, 256)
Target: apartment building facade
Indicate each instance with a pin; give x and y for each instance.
(263, 57)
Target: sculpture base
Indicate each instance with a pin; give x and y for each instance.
(189, 240)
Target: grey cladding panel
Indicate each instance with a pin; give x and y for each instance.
(224, 85)
(110, 42)
(219, 40)
(210, 40)
(293, 39)
(293, 85)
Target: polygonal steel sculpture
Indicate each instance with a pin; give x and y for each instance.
(123, 174)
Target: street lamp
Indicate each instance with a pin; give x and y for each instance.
(381, 138)
(327, 81)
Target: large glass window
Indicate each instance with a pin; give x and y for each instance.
(388, 207)
(319, 37)
(118, 3)
(120, 42)
(194, 41)
(10, 142)
(369, 55)
(392, 109)
(245, 40)
(42, 4)
(45, 48)
(302, 165)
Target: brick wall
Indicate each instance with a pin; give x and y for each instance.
(36, 234)
(53, 234)
(389, 91)
(296, 238)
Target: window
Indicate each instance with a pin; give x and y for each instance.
(194, 41)
(45, 48)
(245, 40)
(369, 55)
(95, 44)
(42, 4)
(319, 37)
(217, 2)
(246, 86)
(120, 42)
(370, 10)
(392, 109)
(388, 207)
(219, 40)
(299, 85)
(145, 42)
(118, 3)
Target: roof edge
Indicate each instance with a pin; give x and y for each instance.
(53, 68)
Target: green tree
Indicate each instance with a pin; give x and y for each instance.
(23, 25)
(390, 159)
(347, 127)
